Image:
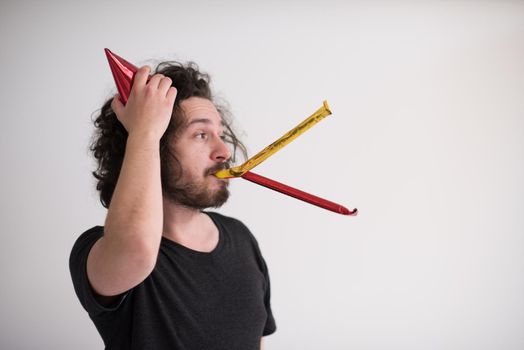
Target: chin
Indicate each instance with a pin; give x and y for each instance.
(220, 197)
(200, 195)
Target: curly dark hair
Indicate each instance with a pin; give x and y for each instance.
(110, 136)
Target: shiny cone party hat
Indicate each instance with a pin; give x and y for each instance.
(123, 72)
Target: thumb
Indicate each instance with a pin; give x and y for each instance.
(117, 105)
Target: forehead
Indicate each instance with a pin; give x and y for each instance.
(197, 108)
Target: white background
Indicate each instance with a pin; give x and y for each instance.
(426, 140)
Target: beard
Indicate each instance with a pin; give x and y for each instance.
(193, 193)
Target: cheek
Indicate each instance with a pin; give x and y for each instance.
(192, 156)
(195, 171)
(185, 153)
(192, 164)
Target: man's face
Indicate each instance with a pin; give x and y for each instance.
(201, 152)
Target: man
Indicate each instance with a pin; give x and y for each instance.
(161, 273)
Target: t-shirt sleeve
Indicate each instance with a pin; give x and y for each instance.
(78, 270)
(270, 326)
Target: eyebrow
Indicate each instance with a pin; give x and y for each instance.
(200, 120)
(203, 121)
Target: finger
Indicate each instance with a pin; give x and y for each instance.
(154, 81)
(164, 85)
(141, 77)
(117, 105)
(171, 95)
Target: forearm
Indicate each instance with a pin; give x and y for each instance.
(135, 214)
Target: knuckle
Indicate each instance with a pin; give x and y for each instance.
(150, 90)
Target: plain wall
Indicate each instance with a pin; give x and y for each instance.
(426, 140)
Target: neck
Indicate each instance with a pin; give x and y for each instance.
(183, 222)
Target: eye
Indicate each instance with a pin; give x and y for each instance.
(223, 137)
(201, 135)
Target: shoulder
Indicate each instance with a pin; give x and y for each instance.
(232, 224)
(92, 234)
(91, 302)
(86, 240)
(228, 221)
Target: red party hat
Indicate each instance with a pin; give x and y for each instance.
(123, 72)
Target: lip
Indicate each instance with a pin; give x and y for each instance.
(218, 179)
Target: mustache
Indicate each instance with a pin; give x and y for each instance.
(217, 168)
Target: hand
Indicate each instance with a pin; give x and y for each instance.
(150, 105)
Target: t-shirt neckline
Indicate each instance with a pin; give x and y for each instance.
(190, 251)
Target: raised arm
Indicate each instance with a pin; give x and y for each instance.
(127, 252)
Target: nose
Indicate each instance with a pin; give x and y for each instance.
(221, 151)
